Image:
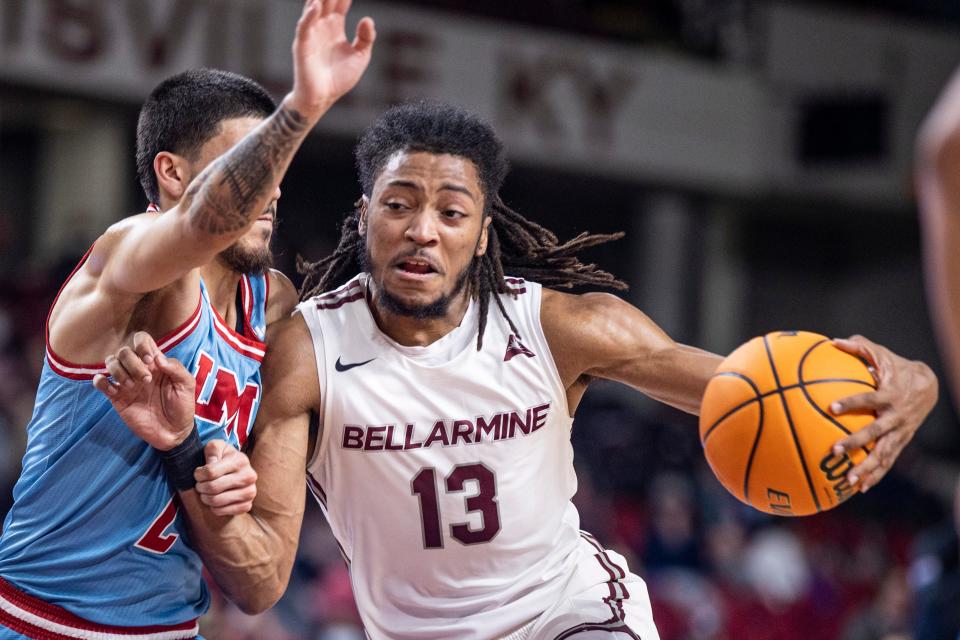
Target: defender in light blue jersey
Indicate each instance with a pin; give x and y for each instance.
(93, 542)
(94, 546)
(95, 527)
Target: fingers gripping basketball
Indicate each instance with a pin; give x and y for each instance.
(766, 425)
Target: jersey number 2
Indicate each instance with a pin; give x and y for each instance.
(485, 501)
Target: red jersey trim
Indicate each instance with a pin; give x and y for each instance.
(243, 345)
(246, 292)
(35, 618)
(74, 371)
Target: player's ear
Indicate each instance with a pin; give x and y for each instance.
(172, 174)
(361, 206)
(484, 236)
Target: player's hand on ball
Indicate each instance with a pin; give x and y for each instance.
(226, 483)
(325, 64)
(906, 392)
(153, 394)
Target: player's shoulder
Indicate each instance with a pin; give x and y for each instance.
(114, 234)
(282, 297)
(565, 307)
(595, 322)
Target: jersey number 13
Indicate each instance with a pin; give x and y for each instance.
(424, 486)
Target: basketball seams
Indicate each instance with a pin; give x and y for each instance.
(793, 429)
(756, 397)
(764, 396)
(803, 387)
(753, 452)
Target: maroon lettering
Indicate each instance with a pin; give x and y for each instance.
(374, 441)
(461, 429)
(439, 432)
(424, 486)
(75, 30)
(408, 437)
(539, 416)
(485, 501)
(516, 421)
(352, 437)
(502, 426)
(389, 446)
(454, 432)
(489, 428)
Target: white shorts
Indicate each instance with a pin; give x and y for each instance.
(602, 601)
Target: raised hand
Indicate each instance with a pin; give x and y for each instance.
(153, 394)
(325, 64)
(906, 393)
(227, 482)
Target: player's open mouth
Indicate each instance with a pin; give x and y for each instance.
(415, 267)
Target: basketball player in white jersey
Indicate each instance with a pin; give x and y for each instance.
(445, 392)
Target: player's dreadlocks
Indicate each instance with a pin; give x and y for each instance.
(515, 245)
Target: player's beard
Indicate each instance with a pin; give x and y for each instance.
(250, 261)
(435, 309)
(246, 260)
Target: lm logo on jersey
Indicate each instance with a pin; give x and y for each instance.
(221, 401)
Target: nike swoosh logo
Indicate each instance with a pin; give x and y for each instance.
(346, 367)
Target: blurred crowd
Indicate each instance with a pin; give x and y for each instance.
(884, 566)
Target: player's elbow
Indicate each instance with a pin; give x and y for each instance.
(256, 601)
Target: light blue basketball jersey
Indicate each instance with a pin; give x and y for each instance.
(94, 527)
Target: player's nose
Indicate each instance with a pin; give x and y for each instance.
(422, 228)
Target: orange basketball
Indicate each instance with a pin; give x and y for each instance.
(766, 425)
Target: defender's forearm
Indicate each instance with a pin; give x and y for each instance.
(233, 190)
(250, 555)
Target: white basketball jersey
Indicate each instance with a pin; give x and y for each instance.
(446, 473)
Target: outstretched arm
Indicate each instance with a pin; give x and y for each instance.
(249, 554)
(225, 199)
(938, 184)
(602, 336)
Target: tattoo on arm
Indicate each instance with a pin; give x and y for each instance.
(231, 189)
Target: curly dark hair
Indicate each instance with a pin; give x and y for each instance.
(516, 245)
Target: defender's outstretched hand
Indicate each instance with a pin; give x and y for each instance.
(152, 393)
(906, 393)
(325, 64)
